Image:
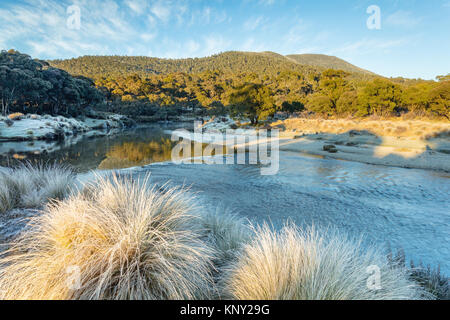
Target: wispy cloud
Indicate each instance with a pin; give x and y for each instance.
(161, 10)
(187, 28)
(253, 23)
(365, 46)
(403, 19)
(107, 26)
(138, 6)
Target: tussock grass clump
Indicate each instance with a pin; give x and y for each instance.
(120, 239)
(430, 279)
(30, 186)
(296, 265)
(226, 232)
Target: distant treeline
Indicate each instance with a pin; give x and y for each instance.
(246, 84)
(330, 93)
(276, 82)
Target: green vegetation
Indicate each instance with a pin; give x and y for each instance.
(33, 86)
(228, 62)
(159, 89)
(327, 62)
(254, 101)
(214, 85)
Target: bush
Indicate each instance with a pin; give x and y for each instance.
(295, 265)
(123, 239)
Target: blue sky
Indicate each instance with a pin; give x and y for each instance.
(414, 39)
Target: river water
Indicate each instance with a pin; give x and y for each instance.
(387, 206)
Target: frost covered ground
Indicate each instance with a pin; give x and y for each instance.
(44, 131)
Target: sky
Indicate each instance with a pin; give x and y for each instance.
(408, 38)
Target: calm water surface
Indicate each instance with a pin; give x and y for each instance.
(403, 208)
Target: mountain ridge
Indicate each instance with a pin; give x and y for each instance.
(231, 61)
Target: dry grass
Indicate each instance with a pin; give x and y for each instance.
(226, 232)
(295, 265)
(125, 240)
(16, 116)
(31, 187)
(417, 129)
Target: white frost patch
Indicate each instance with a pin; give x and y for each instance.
(40, 131)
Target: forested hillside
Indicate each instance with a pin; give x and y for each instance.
(228, 62)
(254, 85)
(32, 86)
(327, 62)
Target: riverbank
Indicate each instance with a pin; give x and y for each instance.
(397, 143)
(43, 132)
(406, 144)
(366, 148)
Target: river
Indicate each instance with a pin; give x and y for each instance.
(402, 208)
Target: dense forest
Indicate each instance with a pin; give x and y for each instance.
(254, 85)
(32, 86)
(288, 83)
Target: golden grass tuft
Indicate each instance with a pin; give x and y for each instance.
(16, 116)
(296, 265)
(118, 239)
(31, 187)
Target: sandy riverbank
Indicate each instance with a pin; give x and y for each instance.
(400, 143)
(407, 144)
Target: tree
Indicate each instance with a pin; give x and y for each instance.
(291, 107)
(443, 78)
(7, 88)
(253, 101)
(320, 103)
(417, 97)
(440, 100)
(333, 84)
(30, 85)
(380, 97)
(348, 104)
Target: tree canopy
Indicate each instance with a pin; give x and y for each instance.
(32, 86)
(250, 84)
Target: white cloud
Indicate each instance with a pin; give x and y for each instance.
(253, 23)
(403, 19)
(253, 45)
(148, 36)
(161, 10)
(267, 2)
(366, 46)
(137, 6)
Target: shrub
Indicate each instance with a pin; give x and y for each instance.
(31, 187)
(296, 265)
(124, 240)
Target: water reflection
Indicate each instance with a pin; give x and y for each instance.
(132, 153)
(137, 147)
